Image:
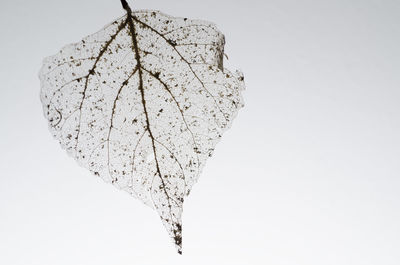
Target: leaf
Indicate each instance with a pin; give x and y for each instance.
(142, 104)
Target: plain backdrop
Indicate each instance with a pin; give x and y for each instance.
(307, 175)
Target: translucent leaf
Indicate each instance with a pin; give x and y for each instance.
(142, 104)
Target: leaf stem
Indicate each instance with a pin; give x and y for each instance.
(126, 6)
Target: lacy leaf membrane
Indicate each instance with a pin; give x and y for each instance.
(142, 104)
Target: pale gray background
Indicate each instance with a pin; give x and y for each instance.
(307, 175)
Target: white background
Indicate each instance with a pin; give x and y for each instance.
(308, 174)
